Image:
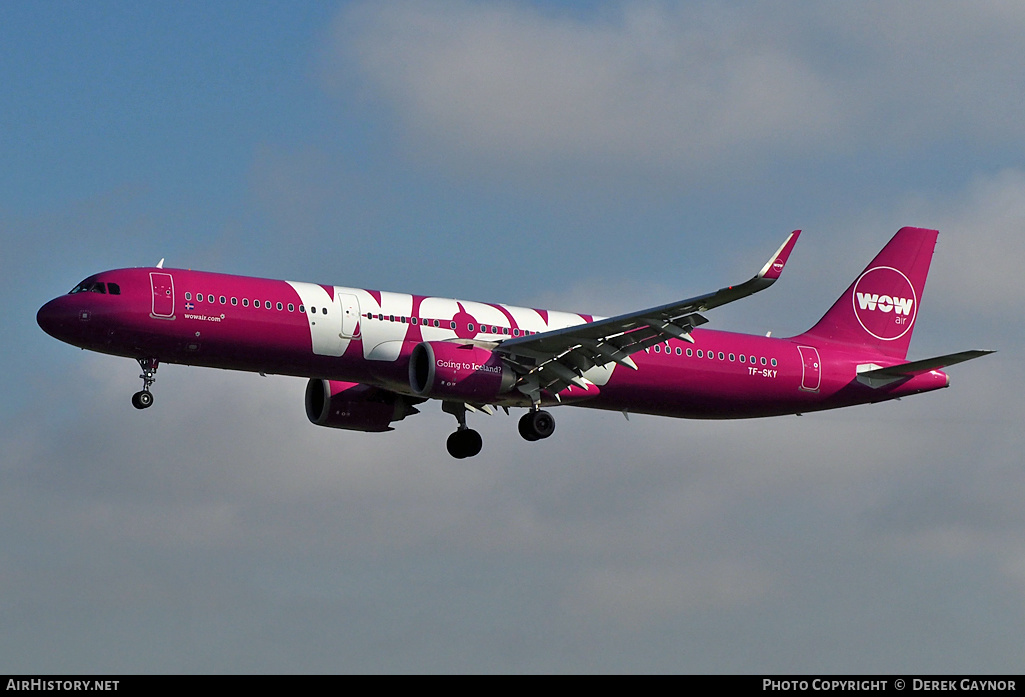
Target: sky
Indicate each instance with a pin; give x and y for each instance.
(595, 157)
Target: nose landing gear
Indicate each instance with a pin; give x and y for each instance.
(144, 398)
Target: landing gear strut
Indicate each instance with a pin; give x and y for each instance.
(536, 424)
(144, 398)
(465, 442)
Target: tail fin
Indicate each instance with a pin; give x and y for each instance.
(878, 310)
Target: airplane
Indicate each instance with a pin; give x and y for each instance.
(371, 357)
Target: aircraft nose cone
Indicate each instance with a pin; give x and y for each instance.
(55, 317)
(45, 318)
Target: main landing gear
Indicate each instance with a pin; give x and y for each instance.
(144, 398)
(536, 424)
(465, 442)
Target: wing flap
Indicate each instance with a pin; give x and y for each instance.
(556, 359)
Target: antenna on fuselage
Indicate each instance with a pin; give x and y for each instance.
(160, 264)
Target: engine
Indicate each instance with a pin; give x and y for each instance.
(444, 370)
(353, 406)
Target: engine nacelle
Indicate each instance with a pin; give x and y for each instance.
(353, 406)
(443, 370)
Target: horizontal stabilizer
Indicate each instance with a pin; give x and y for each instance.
(878, 377)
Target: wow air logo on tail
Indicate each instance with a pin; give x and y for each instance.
(885, 303)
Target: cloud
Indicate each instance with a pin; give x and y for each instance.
(636, 597)
(974, 279)
(686, 88)
(977, 265)
(220, 531)
(651, 83)
(222, 513)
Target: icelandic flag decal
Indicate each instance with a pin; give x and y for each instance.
(190, 306)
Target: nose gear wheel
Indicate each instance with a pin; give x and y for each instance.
(144, 398)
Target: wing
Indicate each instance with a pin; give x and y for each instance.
(552, 361)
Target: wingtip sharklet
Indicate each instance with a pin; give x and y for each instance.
(774, 267)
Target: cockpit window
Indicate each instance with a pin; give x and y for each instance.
(113, 289)
(89, 286)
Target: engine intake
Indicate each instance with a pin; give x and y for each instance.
(444, 369)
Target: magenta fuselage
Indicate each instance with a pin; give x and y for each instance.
(361, 336)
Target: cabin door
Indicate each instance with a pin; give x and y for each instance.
(811, 377)
(349, 307)
(162, 286)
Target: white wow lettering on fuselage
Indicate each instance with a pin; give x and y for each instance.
(885, 303)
